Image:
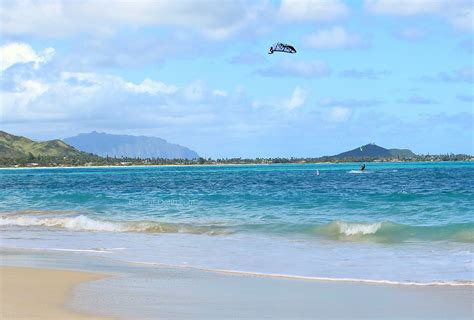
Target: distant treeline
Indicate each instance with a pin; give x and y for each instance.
(93, 160)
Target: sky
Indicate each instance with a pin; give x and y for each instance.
(398, 73)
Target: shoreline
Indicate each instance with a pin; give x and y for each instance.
(238, 273)
(229, 164)
(185, 293)
(255, 274)
(28, 292)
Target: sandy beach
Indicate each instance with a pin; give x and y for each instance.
(30, 293)
(139, 291)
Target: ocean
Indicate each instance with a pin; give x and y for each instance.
(408, 223)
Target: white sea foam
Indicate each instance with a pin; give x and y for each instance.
(83, 223)
(71, 223)
(359, 171)
(351, 229)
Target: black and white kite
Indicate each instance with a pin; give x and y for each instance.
(281, 47)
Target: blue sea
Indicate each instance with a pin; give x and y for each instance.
(395, 222)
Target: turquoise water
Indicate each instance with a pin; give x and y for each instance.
(397, 221)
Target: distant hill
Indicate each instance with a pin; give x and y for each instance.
(14, 147)
(104, 144)
(374, 151)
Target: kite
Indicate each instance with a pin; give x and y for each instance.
(281, 47)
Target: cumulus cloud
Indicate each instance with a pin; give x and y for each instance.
(459, 13)
(55, 95)
(151, 87)
(13, 53)
(312, 10)
(297, 99)
(300, 68)
(62, 18)
(361, 74)
(334, 38)
(17, 101)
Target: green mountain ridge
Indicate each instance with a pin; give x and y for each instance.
(17, 147)
(372, 150)
(14, 147)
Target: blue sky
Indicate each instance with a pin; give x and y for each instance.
(397, 73)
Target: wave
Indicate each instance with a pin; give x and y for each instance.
(387, 231)
(382, 231)
(83, 223)
(359, 172)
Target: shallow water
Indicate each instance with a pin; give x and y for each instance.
(405, 222)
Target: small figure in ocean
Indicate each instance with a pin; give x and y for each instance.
(362, 167)
(317, 172)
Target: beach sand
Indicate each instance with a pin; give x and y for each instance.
(137, 291)
(30, 293)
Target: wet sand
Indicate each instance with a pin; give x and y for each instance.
(137, 291)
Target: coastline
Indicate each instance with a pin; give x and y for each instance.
(31, 293)
(231, 164)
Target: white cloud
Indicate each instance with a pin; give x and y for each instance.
(25, 92)
(334, 38)
(61, 18)
(281, 104)
(297, 99)
(337, 114)
(312, 10)
(151, 87)
(300, 68)
(64, 103)
(13, 53)
(459, 13)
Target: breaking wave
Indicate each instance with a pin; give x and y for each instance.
(388, 231)
(383, 231)
(83, 223)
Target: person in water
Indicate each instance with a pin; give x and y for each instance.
(362, 167)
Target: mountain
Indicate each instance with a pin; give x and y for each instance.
(374, 151)
(12, 146)
(104, 144)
